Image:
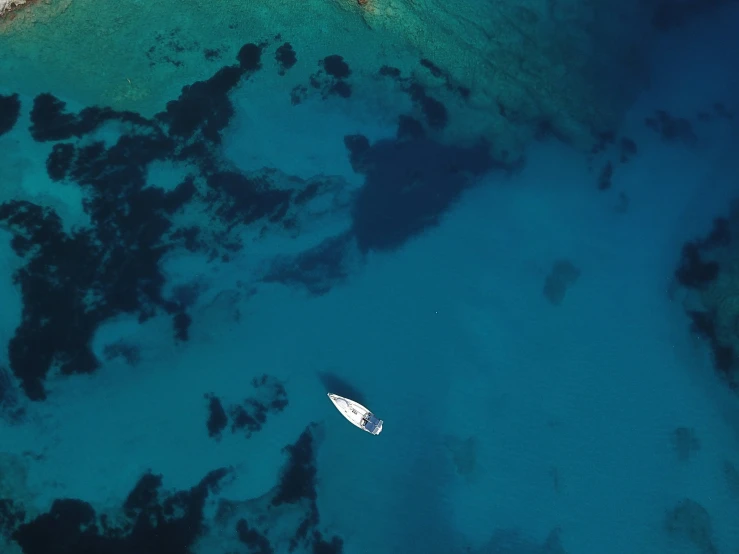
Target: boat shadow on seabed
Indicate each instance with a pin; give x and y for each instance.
(335, 384)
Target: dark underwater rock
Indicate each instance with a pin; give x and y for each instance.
(285, 57)
(409, 185)
(10, 110)
(154, 522)
(562, 276)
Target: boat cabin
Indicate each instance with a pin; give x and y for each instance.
(371, 423)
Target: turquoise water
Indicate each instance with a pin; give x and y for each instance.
(357, 200)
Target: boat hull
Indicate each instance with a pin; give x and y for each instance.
(356, 414)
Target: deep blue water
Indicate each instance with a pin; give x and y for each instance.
(509, 230)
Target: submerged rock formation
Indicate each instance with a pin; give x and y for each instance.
(153, 518)
(74, 279)
(564, 69)
(690, 523)
(709, 274)
(562, 276)
(570, 67)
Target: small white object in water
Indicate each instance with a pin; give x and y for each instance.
(358, 415)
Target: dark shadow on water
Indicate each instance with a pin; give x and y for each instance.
(337, 385)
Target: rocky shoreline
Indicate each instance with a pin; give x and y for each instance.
(7, 6)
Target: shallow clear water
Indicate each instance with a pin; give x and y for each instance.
(182, 284)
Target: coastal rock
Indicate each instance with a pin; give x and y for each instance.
(7, 6)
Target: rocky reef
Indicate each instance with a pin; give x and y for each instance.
(564, 69)
(708, 274)
(567, 67)
(153, 518)
(7, 6)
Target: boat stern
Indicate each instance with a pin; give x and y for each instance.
(373, 425)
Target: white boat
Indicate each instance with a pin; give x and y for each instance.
(357, 414)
